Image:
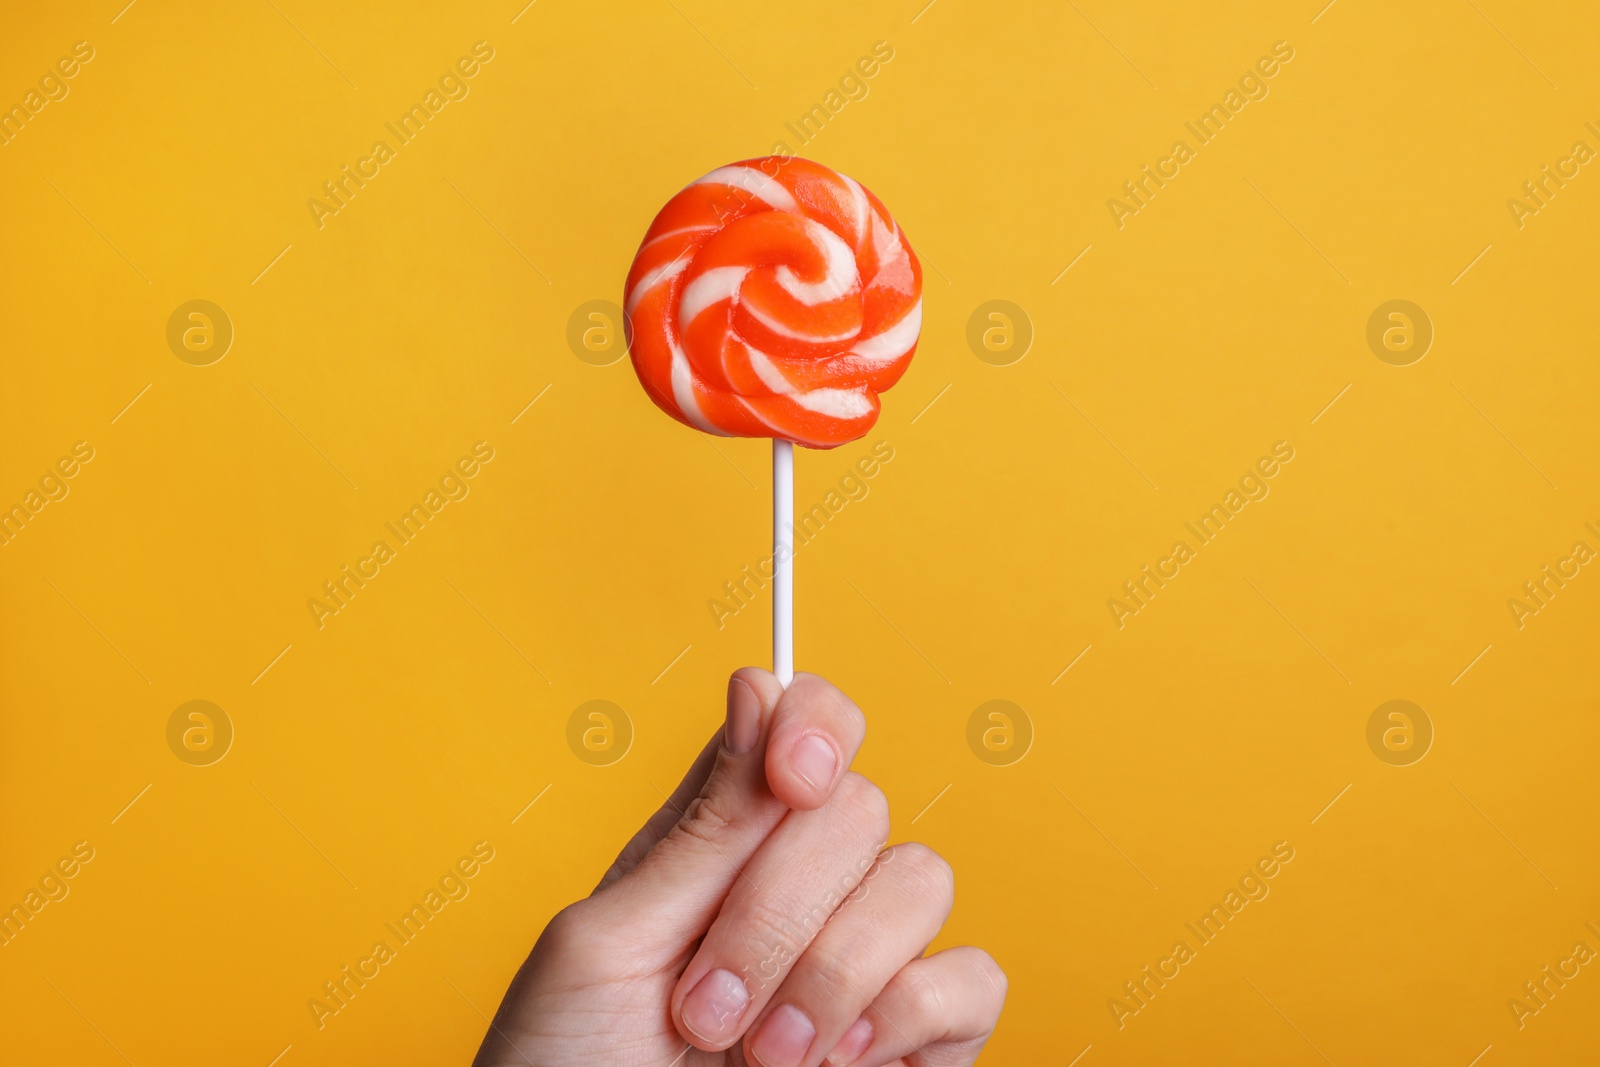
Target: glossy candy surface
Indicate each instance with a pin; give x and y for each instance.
(774, 298)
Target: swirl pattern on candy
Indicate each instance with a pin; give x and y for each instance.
(773, 298)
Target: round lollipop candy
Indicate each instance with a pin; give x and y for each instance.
(774, 298)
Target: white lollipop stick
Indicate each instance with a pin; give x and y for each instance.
(783, 561)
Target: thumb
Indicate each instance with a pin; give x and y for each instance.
(670, 811)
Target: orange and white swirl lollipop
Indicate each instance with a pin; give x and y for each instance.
(774, 298)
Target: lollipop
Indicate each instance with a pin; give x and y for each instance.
(774, 298)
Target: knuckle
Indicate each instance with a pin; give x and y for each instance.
(565, 927)
(991, 973)
(575, 936)
(925, 873)
(838, 974)
(769, 939)
(707, 817)
(867, 802)
(816, 696)
(922, 996)
(847, 710)
(834, 698)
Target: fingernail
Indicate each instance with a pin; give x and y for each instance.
(784, 1038)
(715, 1005)
(851, 1045)
(815, 760)
(744, 718)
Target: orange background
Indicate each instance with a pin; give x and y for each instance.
(1229, 313)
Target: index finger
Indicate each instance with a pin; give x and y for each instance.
(816, 733)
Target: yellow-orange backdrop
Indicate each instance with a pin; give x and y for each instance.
(1170, 335)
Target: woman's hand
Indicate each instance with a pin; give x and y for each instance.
(758, 919)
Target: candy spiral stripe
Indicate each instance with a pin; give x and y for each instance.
(773, 298)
